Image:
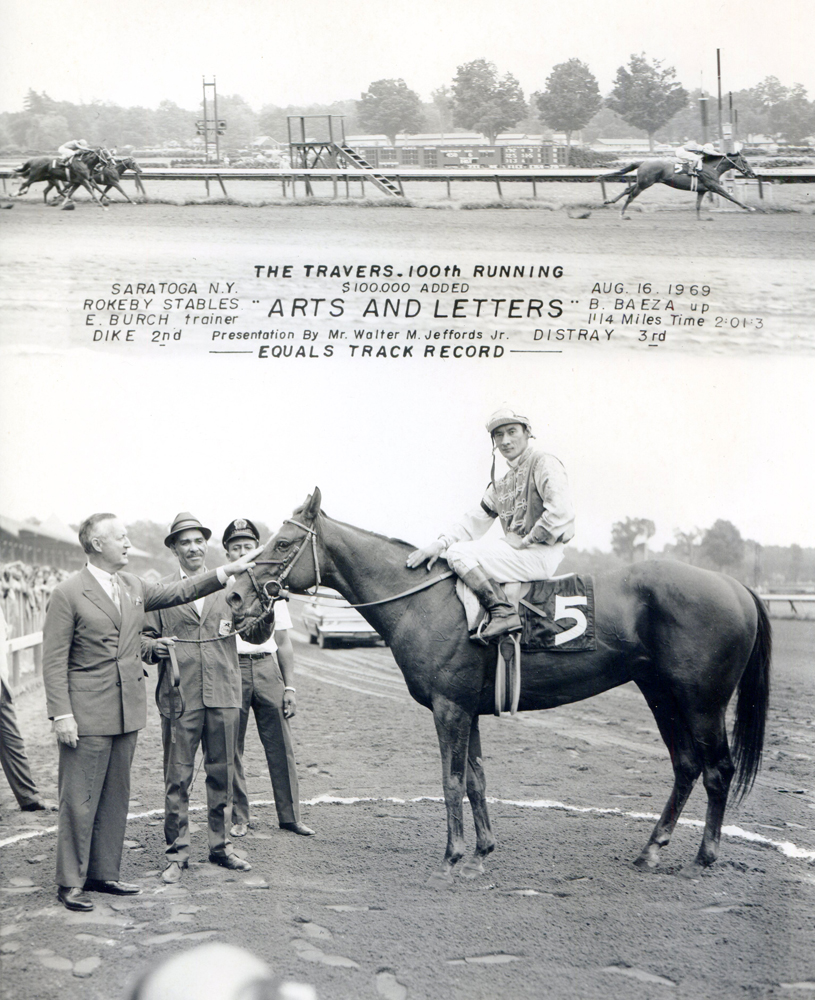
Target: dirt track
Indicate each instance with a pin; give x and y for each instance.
(561, 911)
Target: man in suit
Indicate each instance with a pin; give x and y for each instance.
(210, 686)
(95, 690)
(267, 678)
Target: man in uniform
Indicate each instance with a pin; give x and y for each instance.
(210, 691)
(267, 679)
(534, 505)
(95, 690)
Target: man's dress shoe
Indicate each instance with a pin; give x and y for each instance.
(114, 888)
(231, 861)
(301, 828)
(73, 898)
(40, 805)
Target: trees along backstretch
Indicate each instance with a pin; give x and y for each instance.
(631, 536)
(484, 103)
(646, 95)
(388, 107)
(723, 545)
(570, 100)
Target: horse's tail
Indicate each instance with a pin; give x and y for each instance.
(24, 170)
(621, 171)
(751, 705)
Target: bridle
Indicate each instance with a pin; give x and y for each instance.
(272, 589)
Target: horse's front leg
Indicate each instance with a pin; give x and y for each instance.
(717, 188)
(453, 725)
(476, 793)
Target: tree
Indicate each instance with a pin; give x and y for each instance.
(442, 98)
(723, 545)
(687, 543)
(646, 95)
(390, 106)
(630, 536)
(483, 102)
(570, 100)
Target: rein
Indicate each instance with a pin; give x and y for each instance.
(310, 532)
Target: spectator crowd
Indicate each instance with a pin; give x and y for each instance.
(24, 592)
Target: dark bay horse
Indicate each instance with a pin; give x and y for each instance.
(48, 169)
(663, 171)
(688, 638)
(109, 175)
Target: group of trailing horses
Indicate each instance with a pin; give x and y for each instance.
(95, 170)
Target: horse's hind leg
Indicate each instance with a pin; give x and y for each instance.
(476, 793)
(718, 769)
(453, 729)
(613, 201)
(686, 766)
(632, 194)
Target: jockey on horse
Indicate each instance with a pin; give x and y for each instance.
(692, 154)
(534, 504)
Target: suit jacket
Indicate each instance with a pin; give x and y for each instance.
(92, 654)
(210, 675)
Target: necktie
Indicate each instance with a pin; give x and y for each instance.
(114, 592)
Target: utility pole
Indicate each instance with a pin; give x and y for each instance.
(719, 78)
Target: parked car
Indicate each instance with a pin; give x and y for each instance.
(329, 616)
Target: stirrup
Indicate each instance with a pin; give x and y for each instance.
(485, 640)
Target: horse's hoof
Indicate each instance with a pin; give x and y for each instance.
(472, 868)
(691, 871)
(440, 880)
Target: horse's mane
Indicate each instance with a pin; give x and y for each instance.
(373, 534)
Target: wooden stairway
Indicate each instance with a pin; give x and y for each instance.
(385, 184)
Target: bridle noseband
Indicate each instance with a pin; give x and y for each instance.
(271, 589)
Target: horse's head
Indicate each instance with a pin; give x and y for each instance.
(292, 558)
(130, 164)
(739, 162)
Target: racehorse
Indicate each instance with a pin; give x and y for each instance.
(688, 638)
(110, 174)
(663, 171)
(76, 173)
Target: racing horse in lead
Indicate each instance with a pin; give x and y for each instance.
(663, 171)
(689, 639)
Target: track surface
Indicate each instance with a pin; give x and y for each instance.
(560, 905)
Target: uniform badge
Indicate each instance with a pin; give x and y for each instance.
(225, 628)
(240, 524)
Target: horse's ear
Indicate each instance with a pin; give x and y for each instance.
(311, 508)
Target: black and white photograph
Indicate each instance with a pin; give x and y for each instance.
(406, 536)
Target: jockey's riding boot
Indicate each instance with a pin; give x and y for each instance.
(503, 617)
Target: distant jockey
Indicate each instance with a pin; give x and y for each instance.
(534, 505)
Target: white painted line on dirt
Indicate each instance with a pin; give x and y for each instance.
(786, 847)
(348, 687)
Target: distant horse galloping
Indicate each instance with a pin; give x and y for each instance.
(688, 638)
(48, 169)
(663, 171)
(109, 175)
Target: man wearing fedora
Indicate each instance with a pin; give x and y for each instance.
(95, 691)
(205, 708)
(534, 505)
(267, 678)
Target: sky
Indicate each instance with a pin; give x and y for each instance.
(283, 53)
(405, 453)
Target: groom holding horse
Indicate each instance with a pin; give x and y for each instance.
(534, 504)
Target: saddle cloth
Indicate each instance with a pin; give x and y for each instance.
(556, 614)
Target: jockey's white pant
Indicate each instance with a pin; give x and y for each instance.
(501, 562)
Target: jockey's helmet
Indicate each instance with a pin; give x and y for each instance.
(507, 416)
(710, 149)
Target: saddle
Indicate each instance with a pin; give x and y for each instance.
(557, 615)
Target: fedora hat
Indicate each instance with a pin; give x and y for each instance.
(183, 522)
